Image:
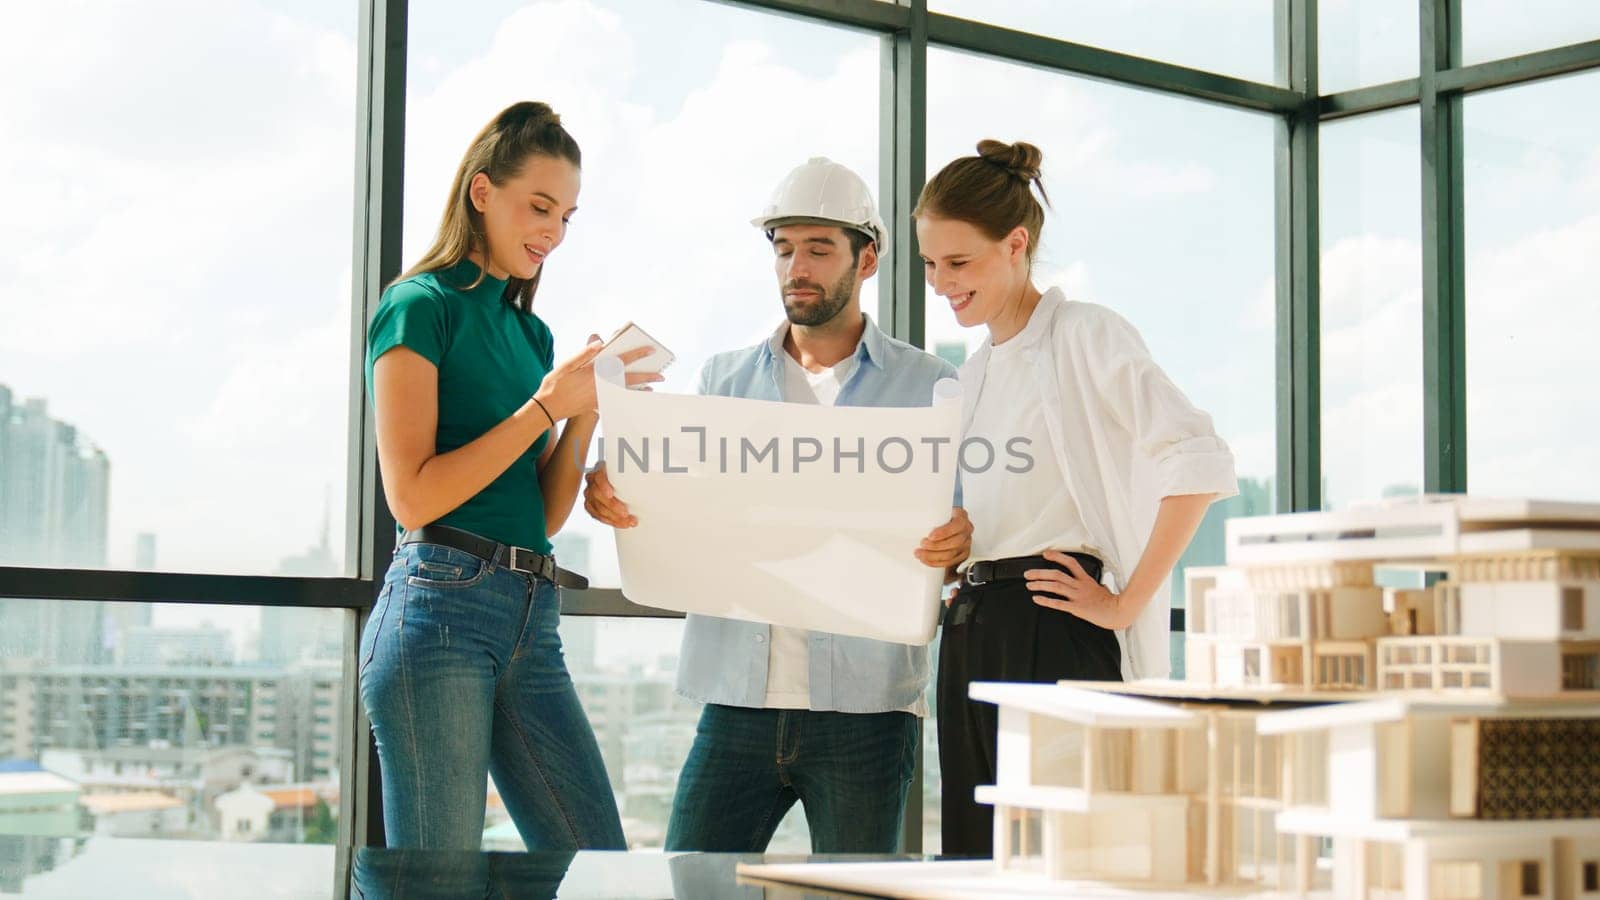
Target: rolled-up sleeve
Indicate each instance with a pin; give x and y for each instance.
(1177, 437)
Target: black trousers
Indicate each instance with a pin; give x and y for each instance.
(995, 632)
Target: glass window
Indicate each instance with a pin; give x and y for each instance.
(683, 142)
(122, 722)
(1371, 233)
(1494, 29)
(1234, 37)
(1365, 42)
(1533, 258)
(1176, 235)
(175, 237)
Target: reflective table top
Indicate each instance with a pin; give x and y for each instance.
(150, 869)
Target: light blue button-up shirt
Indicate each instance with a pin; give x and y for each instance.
(725, 660)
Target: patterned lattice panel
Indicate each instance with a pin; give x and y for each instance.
(1539, 769)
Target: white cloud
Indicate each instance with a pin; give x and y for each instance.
(1261, 314)
(1073, 278)
(1068, 119)
(1371, 376)
(1148, 180)
(1371, 367)
(273, 432)
(183, 247)
(1591, 172)
(175, 178)
(1371, 303)
(1233, 36)
(662, 235)
(174, 246)
(1533, 309)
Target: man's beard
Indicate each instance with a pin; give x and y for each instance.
(828, 304)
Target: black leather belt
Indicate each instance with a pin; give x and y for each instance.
(1005, 573)
(519, 559)
(1012, 569)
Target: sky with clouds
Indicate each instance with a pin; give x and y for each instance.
(175, 220)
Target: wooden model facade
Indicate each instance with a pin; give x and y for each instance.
(1396, 703)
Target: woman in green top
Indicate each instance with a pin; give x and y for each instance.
(461, 666)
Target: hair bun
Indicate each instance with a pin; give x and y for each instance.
(1021, 159)
(527, 112)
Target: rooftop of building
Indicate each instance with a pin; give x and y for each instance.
(104, 804)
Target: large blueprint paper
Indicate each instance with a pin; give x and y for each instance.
(783, 513)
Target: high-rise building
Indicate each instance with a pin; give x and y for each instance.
(16, 709)
(54, 500)
(148, 645)
(301, 709)
(54, 489)
(117, 622)
(295, 708)
(144, 551)
(292, 633)
(75, 631)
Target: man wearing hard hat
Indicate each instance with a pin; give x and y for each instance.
(829, 720)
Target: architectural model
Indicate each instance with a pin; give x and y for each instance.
(1396, 702)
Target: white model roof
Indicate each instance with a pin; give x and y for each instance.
(1206, 692)
(1415, 528)
(1078, 800)
(1492, 509)
(1092, 708)
(1398, 708)
(1522, 540)
(1324, 822)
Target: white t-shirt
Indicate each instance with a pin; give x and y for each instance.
(1018, 507)
(789, 649)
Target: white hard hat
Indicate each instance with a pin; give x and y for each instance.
(821, 190)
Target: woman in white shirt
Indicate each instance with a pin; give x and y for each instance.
(1098, 473)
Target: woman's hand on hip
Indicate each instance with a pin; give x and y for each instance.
(1076, 593)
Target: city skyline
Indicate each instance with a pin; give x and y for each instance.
(176, 680)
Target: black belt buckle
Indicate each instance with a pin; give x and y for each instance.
(524, 560)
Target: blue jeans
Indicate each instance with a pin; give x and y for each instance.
(462, 676)
(850, 772)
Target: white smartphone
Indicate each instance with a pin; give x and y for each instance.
(632, 337)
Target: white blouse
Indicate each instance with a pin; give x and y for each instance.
(1124, 436)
